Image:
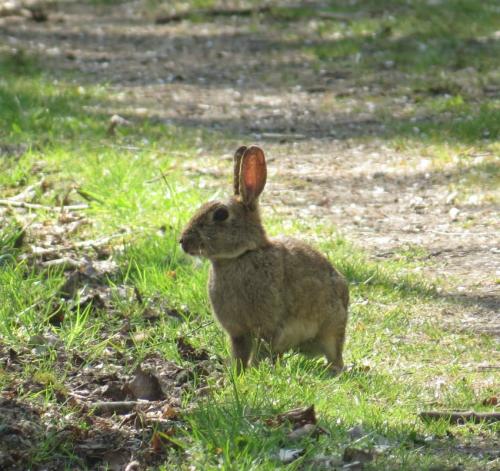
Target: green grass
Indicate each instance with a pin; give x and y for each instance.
(405, 359)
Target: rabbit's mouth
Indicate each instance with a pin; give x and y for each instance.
(200, 249)
(191, 247)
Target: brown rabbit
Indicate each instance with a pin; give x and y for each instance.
(280, 291)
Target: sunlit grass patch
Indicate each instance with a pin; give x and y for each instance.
(36, 106)
(453, 119)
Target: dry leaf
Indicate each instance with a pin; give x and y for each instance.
(188, 352)
(161, 440)
(145, 385)
(139, 337)
(357, 455)
(305, 431)
(115, 121)
(156, 442)
(490, 401)
(297, 417)
(133, 466)
(169, 412)
(289, 455)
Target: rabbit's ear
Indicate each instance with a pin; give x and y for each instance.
(237, 166)
(253, 174)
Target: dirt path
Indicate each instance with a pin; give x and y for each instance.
(247, 79)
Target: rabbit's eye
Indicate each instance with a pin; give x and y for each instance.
(221, 214)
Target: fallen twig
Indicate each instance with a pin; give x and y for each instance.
(28, 192)
(22, 204)
(488, 367)
(78, 396)
(77, 245)
(64, 261)
(116, 406)
(460, 417)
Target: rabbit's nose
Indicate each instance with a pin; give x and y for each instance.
(184, 243)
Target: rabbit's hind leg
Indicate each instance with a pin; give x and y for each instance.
(241, 348)
(331, 341)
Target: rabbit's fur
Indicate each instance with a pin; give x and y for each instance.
(281, 291)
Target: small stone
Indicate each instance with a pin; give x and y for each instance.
(453, 213)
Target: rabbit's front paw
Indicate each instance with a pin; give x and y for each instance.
(241, 347)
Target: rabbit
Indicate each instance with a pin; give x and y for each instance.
(282, 292)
